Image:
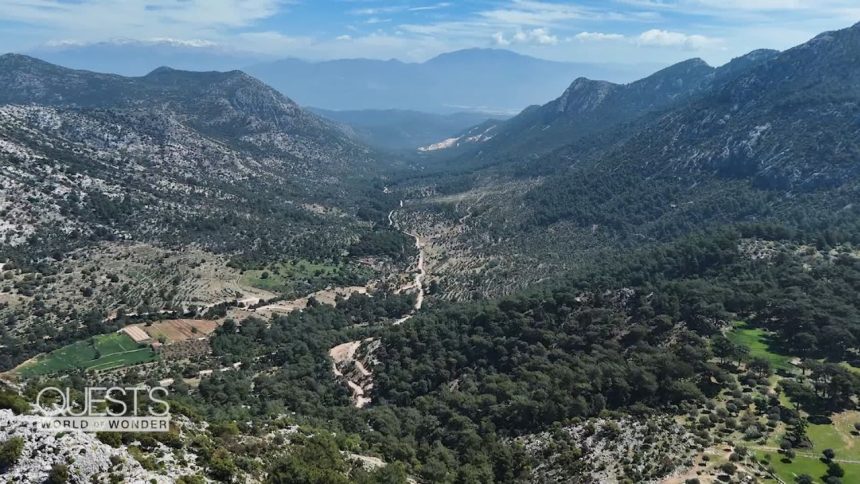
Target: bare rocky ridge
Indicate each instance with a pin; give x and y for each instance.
(90, 155)
(652, 450)
(87, 457)
(588, 107)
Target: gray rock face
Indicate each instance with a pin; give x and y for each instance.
(231, 107)
(87, 155)
(86, 457)
(611, 451)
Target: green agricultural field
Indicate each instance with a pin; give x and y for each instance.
(811, 465)
(837, 436)
(301, 277)
(756, 339)
(101, 352)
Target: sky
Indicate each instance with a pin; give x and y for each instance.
(616, 31)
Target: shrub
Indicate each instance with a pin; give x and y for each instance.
(835, 470)
(13, 401)
(10, 452)
(59, 474)
(112, 439)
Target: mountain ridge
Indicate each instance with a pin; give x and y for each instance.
(466, 80)
(232, 106)
(768, 138)
(589, 106)
(169, 139)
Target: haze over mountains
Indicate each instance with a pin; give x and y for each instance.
(137, 58)
(395, 129)
(483, 80)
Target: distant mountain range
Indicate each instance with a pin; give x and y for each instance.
(590, 106)
(483, 80)
(137, 58)
(769, 136)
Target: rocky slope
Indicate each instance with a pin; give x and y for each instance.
(95, 155)
(231, 107)
(589, 107)
(88, 459)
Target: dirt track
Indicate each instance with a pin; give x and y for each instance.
(418, 283)
(344, 354)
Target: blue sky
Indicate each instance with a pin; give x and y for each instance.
(626, 31)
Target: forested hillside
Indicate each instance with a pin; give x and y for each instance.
(763, 138)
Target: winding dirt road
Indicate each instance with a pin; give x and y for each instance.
(418, 284)
(343, 355)
(361, 381)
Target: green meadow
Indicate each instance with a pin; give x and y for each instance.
(756, 339)
(839, 435)
(103, 352)
(301, 277)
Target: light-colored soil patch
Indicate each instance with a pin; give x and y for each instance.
(180, 329)
(343, 353)
(326, 296)
(369, 463)
(417, 284)
(13, 300)
(352, 370)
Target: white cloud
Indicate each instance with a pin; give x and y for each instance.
(533, 13)
(88, 20)
(184, 42)
(666, 38)
(436, 6)
(538, 36)
(499, 39)
(653, 38)
(375, 11)
(343, 37)
(597, 37)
